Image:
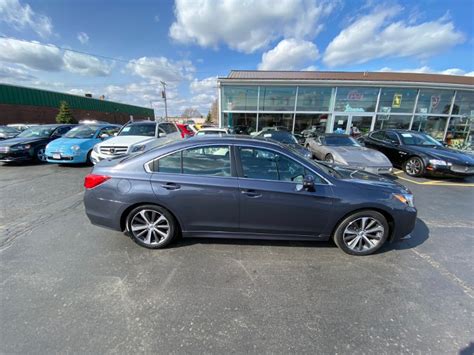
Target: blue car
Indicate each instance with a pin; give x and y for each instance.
(75, 146)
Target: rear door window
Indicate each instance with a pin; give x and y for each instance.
(210, 161)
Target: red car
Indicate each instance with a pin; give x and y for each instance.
(185, 130)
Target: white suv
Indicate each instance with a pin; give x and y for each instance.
(135, 137)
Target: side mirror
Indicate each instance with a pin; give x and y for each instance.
(104, 135)
(308, 184)
(395, 143)
(115, 134)
(161, 134)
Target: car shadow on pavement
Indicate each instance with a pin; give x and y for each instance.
(419, 235)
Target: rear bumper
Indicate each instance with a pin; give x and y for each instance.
(102, 212)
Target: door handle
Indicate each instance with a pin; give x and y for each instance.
(171, 186)
(251, 193)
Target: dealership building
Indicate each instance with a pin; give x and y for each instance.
(27, 105)
(440, 105)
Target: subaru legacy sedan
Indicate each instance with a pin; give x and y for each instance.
(235, 187)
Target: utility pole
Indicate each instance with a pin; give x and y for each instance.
(163, 95)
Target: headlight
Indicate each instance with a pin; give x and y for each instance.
(96, 148)
(138, 148)
(75, 148)
(407, 199)
(438, 162)
(21, 147)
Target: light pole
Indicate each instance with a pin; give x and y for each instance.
(163, 95)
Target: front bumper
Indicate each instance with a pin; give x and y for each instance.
(451, 170)
(66, 158)
(9, 156)
(404, 223)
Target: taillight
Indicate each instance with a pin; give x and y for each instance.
(93, 180)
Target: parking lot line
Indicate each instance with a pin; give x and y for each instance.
(437, 183)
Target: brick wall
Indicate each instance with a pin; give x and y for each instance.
(39, 114)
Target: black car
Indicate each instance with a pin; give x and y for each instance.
(30, 144)
(419, 154)
(8, 132)
(287, 139)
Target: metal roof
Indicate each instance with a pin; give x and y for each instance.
(349, 76)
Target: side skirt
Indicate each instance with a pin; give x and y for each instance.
(242, 235)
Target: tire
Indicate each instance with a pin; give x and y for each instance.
(89, 159)
(40, 155)
(351, 239)
(329, 158)
(414, 166)
(139, 226)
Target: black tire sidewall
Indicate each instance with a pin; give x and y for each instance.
(342, 225)
(168, 215)
(422, 167)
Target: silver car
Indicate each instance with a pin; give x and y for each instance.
(345, 150)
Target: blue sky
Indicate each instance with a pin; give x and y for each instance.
(132, 45)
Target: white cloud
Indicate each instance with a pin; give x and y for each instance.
(84, 64)
(372, 36)
(21, 17)
(31, 54)
(161, 68)
(246, 26)
(83, 37)
(12, 74)
(289, 54)
(207, 85)
(40, 56)
(427, 70)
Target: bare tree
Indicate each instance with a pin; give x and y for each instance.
(191, 112)
(214, 112)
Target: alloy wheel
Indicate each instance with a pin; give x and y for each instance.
(363, 234)
(329, 158)
(40, 154)
(414, 167)
(150, 227)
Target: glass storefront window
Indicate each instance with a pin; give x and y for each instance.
(239, 98)
(277, 98)
(432, 125)
(356, 99)
(313, 98)
(464, 103)
(311, 122)
(458, 131)
(392, 122)
(242, 123)
(275, 119)
(397, 100)
(434, 101)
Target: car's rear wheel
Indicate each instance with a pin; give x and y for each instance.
(414, 166)
(89, 159)
(362, 233)
(151, 226)
(329, 158)
(40, 154)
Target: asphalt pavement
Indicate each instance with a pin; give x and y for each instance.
(68, 286)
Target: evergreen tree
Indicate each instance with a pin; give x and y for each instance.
(64, 115)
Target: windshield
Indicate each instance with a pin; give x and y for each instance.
(137, 129)
(341, 141)
(8, 130)
(282, 137)
(37, 132)
(81, 132)
(420, 139)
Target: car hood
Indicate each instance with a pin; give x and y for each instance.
(128, 140)
(14, 141)
(362, 155)
(67, 142)
(368, 179)
(449, 155)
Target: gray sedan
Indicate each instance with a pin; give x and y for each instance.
(245, 188)
(344, 150)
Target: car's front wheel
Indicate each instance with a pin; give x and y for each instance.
(362, 233)
(414, 166)
(40, 154)
(329, 158)
(151, 226)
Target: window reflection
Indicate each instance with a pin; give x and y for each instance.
(282, 120)
(311, 123)
(464, 103)
(356, 99)
(239, 98)
(392, 122)
(313, 98)
(397, 100)
(276, 98)
(432, 125)
(434, 101)
(242, 123)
